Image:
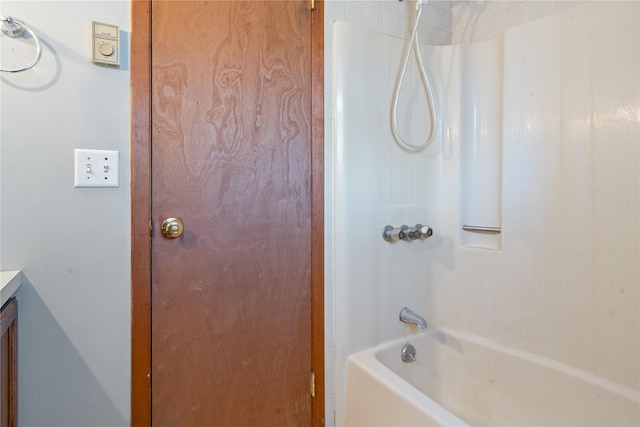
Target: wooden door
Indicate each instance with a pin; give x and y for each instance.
(231, 144)
(9, 363)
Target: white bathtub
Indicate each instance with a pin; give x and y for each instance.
(460, 379)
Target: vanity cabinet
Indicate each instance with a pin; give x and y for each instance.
(9, 364)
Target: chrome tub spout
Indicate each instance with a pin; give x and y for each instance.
(409, 316)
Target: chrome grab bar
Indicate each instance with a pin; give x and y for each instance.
(479, 229)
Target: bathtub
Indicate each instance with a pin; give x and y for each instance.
(460, 379)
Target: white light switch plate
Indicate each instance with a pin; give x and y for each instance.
(97, 168)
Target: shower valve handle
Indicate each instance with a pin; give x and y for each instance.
(423, 231)
(391, 234)
(408, 233)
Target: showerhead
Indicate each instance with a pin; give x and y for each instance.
(11, 28)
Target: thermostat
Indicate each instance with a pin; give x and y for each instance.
(106, 44)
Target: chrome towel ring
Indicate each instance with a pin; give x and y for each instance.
(14, 29)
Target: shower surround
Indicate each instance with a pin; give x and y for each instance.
(564, 281)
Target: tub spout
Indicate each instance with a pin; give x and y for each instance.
(409, 316)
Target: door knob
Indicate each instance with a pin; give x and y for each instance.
(172, 228)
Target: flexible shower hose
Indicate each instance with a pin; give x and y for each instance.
(414, 43)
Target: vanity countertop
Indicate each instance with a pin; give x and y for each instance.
(9, 282)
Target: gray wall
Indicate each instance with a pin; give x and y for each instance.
(73, 245)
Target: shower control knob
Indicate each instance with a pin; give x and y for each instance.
(404, 232)
(391, 234)
(423, 231)
(413, 233)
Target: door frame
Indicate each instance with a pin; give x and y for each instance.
(141, 212)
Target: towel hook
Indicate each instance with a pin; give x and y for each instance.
(14, 29)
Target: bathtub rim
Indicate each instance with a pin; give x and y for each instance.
(370, 355)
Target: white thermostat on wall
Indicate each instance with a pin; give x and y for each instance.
(106, 44)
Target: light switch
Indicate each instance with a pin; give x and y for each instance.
(97, 168)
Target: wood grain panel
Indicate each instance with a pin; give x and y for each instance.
(141, 255)
(9, 364)
(317, 210)
(140, 213)
(232, 157)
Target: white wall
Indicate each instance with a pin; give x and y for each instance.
(566, 282)
(72, 244)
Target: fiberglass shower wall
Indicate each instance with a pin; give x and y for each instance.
(563, 282)
(378, 183)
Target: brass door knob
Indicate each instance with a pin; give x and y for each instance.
(172, 228)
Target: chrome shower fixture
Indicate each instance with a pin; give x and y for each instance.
(408, 353)
(410, 317)
(419, 231)
(13, 28)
